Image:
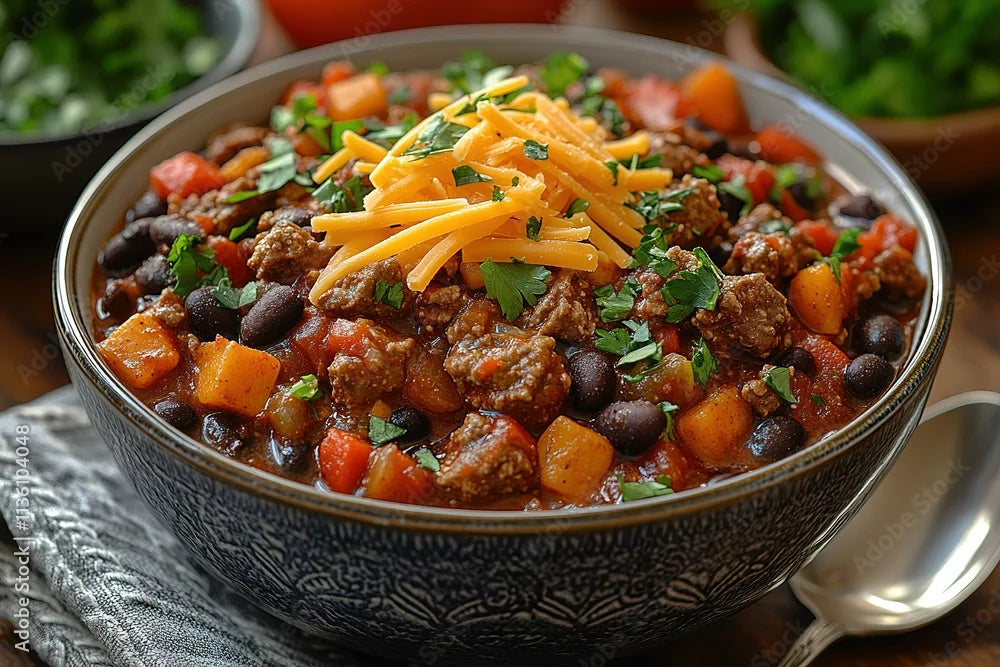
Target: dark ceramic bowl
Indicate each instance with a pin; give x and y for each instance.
(48, 171)
(451, 585)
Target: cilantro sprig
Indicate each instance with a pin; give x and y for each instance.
(652, 252)
(703, 364)
(535, 151)
(578, 205)
(474, 70)
(692, 290)
(391, 294)
(466, 175)
(633, 343)
(381, 431)
(342, 199)
(640, 490)
(234, 298)
(614, 306)
(560, 70)
(425, 459)
(533, 228)
(710, 173)
(668, 409)
(653, 203)
(513, 285)
(194, 265)
(439, 136)
(846, 244)
(306, 388)
(779, 379)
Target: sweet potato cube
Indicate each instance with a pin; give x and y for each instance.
(573, 459)
(715, 429)
(141, 351)
(359, 96)
(234, 377)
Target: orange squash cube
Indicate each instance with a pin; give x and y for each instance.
(359, 96)
(572, 458)
(141, 351)
(234, 377)
(714, 429)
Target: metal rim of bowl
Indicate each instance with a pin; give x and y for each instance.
(77, 340)
(248, 15)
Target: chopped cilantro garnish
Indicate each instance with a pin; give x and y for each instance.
(711, 173)
(401, 95)
(612, 166)
(464, 175)
(691, 290)
(668, 409)
(535, 150)
(237, 197)
(615, 341)
(279, 169)
(653, 203)
(474, 70)
(498, 194)
(639, 490)
(576, 206)
(817, 399)
(560, 70)
(513, 285)
(342, 199)
(306, 388)
(338, 129)
(632, 343)
(779, 379)
(738, 189)
(702, 362)
(236, 233)
(846, 244)
(774, 227)
(391, 294)
(633, 163)
(604, 109)
(652, 252)
(533, 228)
(193, 265)
(426, 459)
(234, 298)
(439, 136)
(380, 431)
(615, 306)
(387, 135)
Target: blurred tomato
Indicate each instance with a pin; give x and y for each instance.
(312, 22)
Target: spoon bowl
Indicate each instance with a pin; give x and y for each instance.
(922, 543)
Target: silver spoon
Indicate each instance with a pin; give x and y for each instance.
(922, 543)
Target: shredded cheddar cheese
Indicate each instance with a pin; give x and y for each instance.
(507, 157)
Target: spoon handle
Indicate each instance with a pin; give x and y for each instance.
(811, 643)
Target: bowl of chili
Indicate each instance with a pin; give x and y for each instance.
(483, 581)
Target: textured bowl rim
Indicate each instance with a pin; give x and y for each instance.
(248, 14)
(78, 343)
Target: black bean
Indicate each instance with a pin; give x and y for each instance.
(798, 358)
(290, 458)
(775, 438)
(179, 415)
(414, 421)
(271, 317)
(720, 252)
(631, 426)
(116, 303)
(719, 145)
(732, 205)
(293, 214)
(165, 229)
(148, 205)
(207, 317)
(154, 275)
(863, 207)
(224, 432)
(800, 193)
(868, 376)
(128, 247)
(594, 380)
(878, 334)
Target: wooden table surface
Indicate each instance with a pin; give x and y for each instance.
(759, 635)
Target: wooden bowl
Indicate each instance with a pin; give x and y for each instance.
(944, 154)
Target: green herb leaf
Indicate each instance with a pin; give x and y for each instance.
(379, 68)
(306, 388)
(711, 173)
(533, 228)
(387, 135)
(535, 150)
(438, 136)
(846, 244)
(426, 459)
(774, 227)
(615, 341)
(737, 188)
(648, 162)
(189, 260)
(576, 206)
(668, 409)
(633, 343)
(817, 399)
(380, 431)
(464, 175)
(652, 252)
(612, 166)
(653, 203)
(615, 306)
(401, 95)
(234, 298)
(237, 197)
(703, 363)
(471, 71)
(779, 379)
(640, 490)
(344, 199)
(279, 169)
(498, 194)
(560, 70)
(647, 351)
(513, 285)
(691, 290)
(391, 294)
(281, 118)
(248, 227)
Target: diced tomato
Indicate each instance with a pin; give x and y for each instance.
(185, 174)
(305, 87)
(791, 208)
(666, 458)
(232, 257)
(309, 338)
(392, 475)
(780, 146)
(346, 337)
(823, 235)
(654, 102)
(343, 459)
(832, 405)
(892, 231)
(757, 175)
(670, 339)
(337, 71)
(871, 245)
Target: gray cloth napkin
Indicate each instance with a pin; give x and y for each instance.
(107, 584)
